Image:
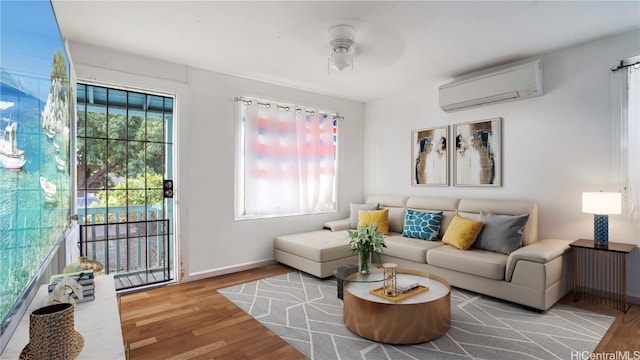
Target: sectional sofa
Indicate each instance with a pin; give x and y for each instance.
(536, 275)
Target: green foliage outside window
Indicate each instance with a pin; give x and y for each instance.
(138, 192)
(118, 148)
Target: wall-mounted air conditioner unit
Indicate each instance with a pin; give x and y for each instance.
(505, 84)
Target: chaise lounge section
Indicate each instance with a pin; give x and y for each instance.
(537, 274)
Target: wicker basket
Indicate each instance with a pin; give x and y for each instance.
(52, 334)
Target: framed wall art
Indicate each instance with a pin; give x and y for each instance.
(478, 153)
(430, 157)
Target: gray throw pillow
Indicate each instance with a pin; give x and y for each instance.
(355, 209)
(501, 233)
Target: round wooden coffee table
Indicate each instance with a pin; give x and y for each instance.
(417, 319)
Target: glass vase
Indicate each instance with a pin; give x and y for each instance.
(364, 262)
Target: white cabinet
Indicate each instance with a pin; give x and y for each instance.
(98, 322)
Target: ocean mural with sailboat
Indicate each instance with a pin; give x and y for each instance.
(35, 121)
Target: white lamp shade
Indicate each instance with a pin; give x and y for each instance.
(602, 203)
(340, 59)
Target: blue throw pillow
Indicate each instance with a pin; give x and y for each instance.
(422, 225)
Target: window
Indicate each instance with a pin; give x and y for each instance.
(626, 88)
(124, 145)
(285, 160)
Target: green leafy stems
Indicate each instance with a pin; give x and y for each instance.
(366, 239)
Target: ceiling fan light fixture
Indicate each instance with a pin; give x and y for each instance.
(341, 39)
(340, 59)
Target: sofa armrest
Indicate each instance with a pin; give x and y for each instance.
(337, 225)
(541, 251)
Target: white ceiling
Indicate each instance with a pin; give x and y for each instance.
(399, 44)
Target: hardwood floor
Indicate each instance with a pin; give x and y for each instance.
(624, 333)
(193, 321)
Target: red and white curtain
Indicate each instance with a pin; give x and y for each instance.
(288, 161)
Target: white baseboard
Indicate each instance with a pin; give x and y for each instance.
(227, 270)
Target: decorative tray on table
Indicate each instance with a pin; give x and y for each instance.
(379, 292)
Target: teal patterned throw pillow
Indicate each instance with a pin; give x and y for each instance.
(422, 225)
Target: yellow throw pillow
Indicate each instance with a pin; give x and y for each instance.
(462, 232)
(378, 217)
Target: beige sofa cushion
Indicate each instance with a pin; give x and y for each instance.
(337, 225)
(319, 246)
(408, 248)
(476, 262)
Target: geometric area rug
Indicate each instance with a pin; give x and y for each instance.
(305, 312)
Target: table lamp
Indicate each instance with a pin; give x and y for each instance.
(601, 204)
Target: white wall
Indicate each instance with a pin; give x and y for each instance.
(215, 239)
(211, 242)
(554, 147)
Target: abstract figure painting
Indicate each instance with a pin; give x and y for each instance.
(430, 157)
(478, 159)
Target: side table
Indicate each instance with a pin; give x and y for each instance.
(341, 273)
(98, 322)
(600, 273)
(351, 272)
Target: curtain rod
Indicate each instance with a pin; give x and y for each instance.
(622, 65)
(287, 107)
